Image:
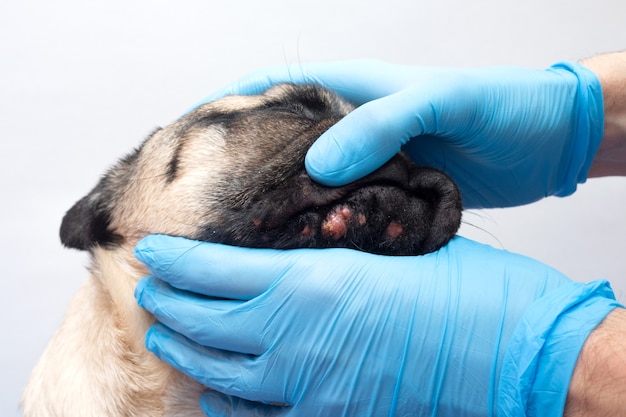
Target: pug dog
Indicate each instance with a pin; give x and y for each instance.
(230, 171)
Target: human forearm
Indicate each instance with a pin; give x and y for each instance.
(611, 156)
(598, 385)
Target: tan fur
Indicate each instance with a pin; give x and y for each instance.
(96, 363)
(146, 203)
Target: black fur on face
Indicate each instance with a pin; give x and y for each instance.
(88, 222)
(233, 172)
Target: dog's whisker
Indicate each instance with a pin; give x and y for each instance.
(481, 214)
(482, 229)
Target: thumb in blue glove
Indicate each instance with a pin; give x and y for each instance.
(507, 136)
(466, 331)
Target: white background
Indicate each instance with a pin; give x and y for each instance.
(82, 82)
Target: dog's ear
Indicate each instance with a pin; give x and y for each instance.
(87, 223)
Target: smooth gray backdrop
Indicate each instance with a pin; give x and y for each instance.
(82, 82)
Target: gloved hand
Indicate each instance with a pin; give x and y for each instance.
(465, 331)
(507, 136)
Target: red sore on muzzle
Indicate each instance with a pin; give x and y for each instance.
(399, 209)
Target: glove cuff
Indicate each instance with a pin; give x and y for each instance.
(542, 352)
(588, 128)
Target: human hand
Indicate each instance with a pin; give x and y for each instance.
(467, 330)
(507, 136)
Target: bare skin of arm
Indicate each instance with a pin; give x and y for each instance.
(598, 385)
(611, 157)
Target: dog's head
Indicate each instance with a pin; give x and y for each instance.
(232, 171)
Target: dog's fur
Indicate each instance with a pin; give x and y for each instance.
(230, 171)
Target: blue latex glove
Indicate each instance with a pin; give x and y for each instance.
(466, 331)
(507, 136)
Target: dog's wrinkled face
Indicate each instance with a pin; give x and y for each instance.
(232, 171)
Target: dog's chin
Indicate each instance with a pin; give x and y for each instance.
(379, 219)
(400, 209)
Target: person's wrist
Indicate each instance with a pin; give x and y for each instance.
(598, 384)
(542, 352)
(587, 127)
(611, 71)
